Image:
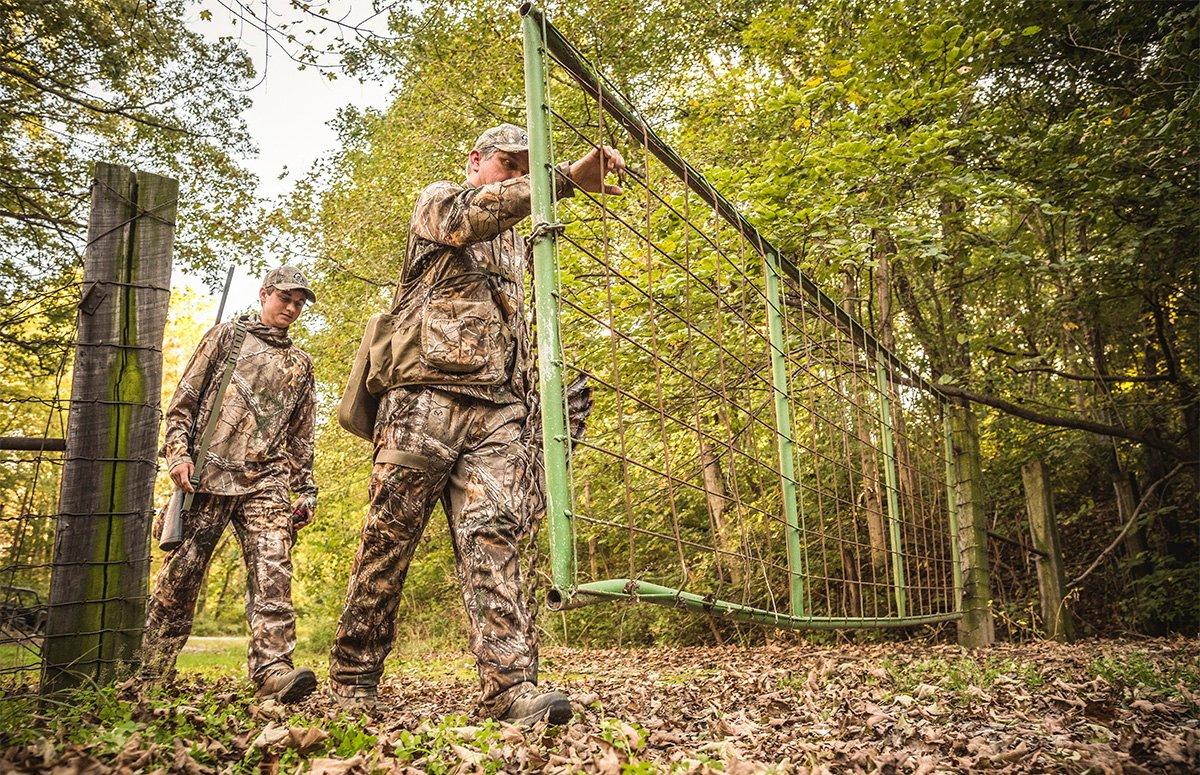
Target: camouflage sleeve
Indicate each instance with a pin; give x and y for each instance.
(300, 439)
(185, 404)
(450, 214)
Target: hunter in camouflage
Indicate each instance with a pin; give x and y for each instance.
(261, 450)
(452, 426)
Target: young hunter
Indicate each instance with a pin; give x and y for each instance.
(261, 448)
(451, 426)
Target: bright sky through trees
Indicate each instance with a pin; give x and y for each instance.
(291, 108)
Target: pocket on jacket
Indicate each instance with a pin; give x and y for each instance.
(461, 336)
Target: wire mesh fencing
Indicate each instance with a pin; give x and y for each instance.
(752, 449)
(33, 415)
(77, 478)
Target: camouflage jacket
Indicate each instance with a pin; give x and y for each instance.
(462, 245)
(264, 434)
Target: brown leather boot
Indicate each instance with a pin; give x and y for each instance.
(287, 686)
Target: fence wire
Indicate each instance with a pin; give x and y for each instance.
(29, 484)
(72, 592)
(665, 307)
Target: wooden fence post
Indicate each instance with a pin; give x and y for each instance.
(1039, 500)
(101, 551)
(976, 628)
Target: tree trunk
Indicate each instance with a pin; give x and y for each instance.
(870, 493)
(716, 499)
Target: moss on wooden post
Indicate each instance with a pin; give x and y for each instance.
(101, 560)
(976, 628)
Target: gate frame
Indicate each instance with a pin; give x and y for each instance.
(540, 39)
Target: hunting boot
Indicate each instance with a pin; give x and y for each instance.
(360, 699)
(287, 685)
(528, 709)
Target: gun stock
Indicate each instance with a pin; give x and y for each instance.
(172, 528)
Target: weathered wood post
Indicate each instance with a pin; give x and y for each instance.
(1039, 501)
(976, 628)
(101, 552)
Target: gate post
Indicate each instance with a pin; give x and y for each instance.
(952, 506)
(895, 545)
(99, 579)
(556, 440)
(976, 627)
(1039, 500)
(783, 436)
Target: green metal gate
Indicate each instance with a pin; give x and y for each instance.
(745, 425)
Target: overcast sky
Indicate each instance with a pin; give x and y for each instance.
(289, 118)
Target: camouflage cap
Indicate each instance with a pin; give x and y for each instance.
(509, 138)
(289, 278)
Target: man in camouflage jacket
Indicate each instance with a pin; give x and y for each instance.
(452, 427)
(261, 449)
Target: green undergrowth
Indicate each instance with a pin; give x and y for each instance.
(962, 676)
(217, 727)
(1137, 672)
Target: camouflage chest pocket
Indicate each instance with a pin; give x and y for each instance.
(465, 336)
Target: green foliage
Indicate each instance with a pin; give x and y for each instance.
(961, 676)
(1167, 596)
(1137, 672)
(1015, 180)
(101, 716)
(123, 82)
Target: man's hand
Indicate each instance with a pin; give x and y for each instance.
(181, 475)
(588, 172)
(304, 509)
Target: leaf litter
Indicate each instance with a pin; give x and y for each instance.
(1096, 706)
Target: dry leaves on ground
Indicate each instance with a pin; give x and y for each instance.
(1098, 706)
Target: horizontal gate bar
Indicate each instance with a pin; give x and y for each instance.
(644, 591)
(32, 444)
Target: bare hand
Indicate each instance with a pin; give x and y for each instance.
(304, 509)
(588, 172)
(181, 475)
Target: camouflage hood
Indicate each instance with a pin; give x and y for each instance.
(277, 337)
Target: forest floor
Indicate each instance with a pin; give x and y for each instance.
(1096, 706)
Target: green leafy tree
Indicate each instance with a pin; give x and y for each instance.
(126, 82)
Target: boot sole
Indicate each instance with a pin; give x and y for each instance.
(301, 686)
(559, 715)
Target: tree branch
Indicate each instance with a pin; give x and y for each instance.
(1075, 423)
(1127, 526)
(123, 111)
(40, 218)
(1106, 378)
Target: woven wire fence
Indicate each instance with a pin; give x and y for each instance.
(75, 496)
(752, 449)
(34, 402)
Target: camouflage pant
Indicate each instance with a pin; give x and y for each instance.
(262, 522)
(468, 453)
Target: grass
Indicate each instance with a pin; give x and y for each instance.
(1137, 671)
(957, 679)
(961, 675)
(213, 656)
